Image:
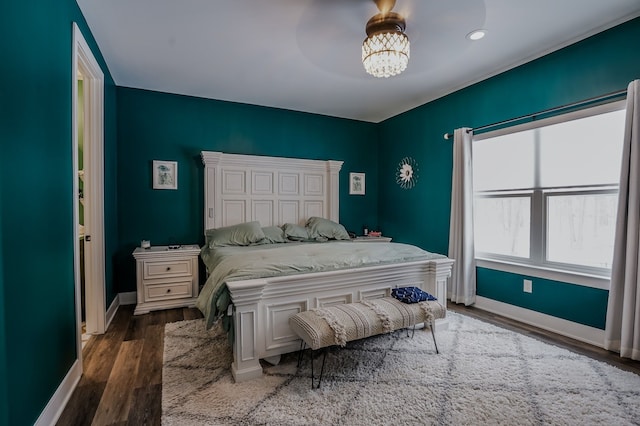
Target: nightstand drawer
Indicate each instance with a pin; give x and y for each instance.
(172, 290)
(167, 268)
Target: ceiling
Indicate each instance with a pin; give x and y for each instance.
(305, 55)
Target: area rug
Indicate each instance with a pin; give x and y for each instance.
(483, 375)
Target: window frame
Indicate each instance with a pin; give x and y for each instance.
(538, 264)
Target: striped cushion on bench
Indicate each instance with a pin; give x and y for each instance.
(339, 324)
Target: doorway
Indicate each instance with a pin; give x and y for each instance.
(81, 201)
(88, 186)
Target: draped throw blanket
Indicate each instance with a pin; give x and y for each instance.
(622, 332)
(461, 246)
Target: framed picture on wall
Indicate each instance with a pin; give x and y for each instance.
(165, 174)
(356, 183)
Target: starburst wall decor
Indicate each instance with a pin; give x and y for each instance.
(407, 173)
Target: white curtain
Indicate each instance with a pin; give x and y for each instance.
(461, 247)
(622, 332)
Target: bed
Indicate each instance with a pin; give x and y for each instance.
(243, 190)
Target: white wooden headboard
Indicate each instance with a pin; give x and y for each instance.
(272, 190)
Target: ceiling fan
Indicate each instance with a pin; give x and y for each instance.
(385, 51)
(330, 33)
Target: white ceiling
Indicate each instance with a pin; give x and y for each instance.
(304, 55)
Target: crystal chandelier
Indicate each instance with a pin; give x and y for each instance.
(385, 51)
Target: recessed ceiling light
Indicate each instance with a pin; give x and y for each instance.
(476, 34)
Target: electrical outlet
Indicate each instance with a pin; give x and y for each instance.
(528, 286)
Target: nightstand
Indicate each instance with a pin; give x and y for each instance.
(367, 239)
(166, 278)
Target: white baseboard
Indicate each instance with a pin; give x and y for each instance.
(58, 401)
(121, 299)
(111, 312)
(583, 333)
(130, 298)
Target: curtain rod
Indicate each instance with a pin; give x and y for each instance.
(549, 111)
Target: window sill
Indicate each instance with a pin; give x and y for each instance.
(577, 278)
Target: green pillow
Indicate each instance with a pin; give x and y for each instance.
(320, 228)
(273, 234)
(243, 234)
(295, 232)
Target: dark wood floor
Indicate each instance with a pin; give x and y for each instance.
(122, 380)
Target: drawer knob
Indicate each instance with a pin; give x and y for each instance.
(168, 268)
(168, 290)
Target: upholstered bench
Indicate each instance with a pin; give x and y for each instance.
(339, 324)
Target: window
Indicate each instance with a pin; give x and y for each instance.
(503, 224)
(546, 193)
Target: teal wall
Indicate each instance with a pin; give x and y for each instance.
(160, 126)
(4, 403)
(36, 174)
(561, 300)
(601, 64)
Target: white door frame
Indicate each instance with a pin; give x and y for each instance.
(93, 88)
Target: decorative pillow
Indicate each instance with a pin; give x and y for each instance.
(320, 228)
(242, 234)
(295, 232)
(273, 234)
(411, 295)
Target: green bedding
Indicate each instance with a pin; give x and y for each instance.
(225, 264)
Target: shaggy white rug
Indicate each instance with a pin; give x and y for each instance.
(483, 375)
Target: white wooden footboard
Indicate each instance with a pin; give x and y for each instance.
(262, 307)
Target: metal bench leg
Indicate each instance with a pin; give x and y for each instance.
(433, 334)
(301, 352)
(324, 357)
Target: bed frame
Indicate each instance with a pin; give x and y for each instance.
(275, 191)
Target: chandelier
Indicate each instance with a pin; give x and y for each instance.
(385, 51)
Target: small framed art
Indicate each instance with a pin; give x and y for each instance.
(356, 183)
(165, 174)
